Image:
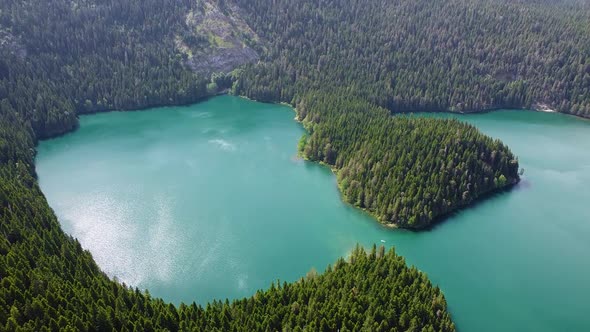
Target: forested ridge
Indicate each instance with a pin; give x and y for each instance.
(346, 65)
(406, 171)
(455, 55)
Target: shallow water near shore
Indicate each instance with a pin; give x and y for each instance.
(210, 202)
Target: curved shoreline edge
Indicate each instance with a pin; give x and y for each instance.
(437, 220)
(227, 92)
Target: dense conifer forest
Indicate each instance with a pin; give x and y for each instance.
(456, 55)
(346, 65)
(406, 171)
(63, 58)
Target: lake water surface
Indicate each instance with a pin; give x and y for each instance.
(209, 202)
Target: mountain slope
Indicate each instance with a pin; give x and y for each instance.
(455, 55)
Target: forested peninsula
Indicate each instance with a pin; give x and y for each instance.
(345, 65)
(406, 171)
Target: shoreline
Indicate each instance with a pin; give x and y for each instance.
(537, 107)
(135, 109)
(490, 110)
(434, 222)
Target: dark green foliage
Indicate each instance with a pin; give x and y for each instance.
(61, 58)
(64, 58)
(86, 56)
(398, 298)
(405, 170)
(423, 55)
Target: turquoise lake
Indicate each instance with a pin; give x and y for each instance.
(210, 202)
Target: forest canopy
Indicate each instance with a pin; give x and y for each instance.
(407, 171)
(346, 65)
(456, 55)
